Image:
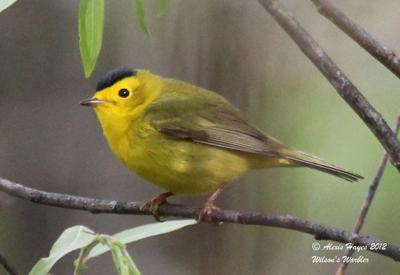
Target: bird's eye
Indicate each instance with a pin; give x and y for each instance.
(124, 93)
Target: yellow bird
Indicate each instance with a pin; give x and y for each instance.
(186, 139)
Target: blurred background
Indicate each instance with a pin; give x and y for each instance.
(233, 47)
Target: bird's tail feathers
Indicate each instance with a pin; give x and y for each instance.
(304, 159)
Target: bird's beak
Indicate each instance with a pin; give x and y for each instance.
(91, 102)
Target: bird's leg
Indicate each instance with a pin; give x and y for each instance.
(154, 204)
(209, 206)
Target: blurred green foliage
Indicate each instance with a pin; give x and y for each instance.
(91, 25)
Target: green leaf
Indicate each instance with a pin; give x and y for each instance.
(5, 4)
(142, 232)
(140, 13)
(121, 258)
(71, 239)
(80, 263)
(129, 262)
(91, 24)
(118, 259)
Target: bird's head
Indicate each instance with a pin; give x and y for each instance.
(123, 94)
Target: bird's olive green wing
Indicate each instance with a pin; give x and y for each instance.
(212, 121)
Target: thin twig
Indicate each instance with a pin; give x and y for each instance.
(367, 202)
(387, 57)
(320, 232)
(337, 78)
(5, 263)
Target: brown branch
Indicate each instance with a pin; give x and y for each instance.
(320, 232)
(367, 202)
(337, 78)
(387, 57)
(4, 262)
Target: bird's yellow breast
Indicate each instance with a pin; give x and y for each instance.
(182, 167)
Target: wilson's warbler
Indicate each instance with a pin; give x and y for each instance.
(186, 139)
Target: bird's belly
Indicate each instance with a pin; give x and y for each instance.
(183, 167)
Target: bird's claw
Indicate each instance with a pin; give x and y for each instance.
(206, 213)
(154, 204)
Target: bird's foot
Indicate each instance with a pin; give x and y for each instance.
(206, 213)
(154, 204)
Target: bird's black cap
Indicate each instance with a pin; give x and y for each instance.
(113, 76)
